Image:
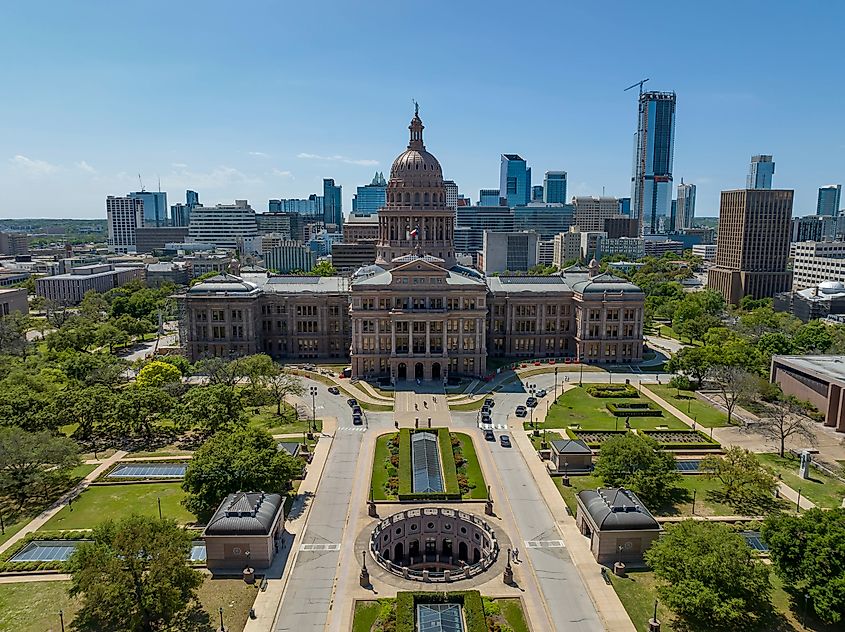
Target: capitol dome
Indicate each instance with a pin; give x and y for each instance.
(416, 177)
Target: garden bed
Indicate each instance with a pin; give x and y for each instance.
(594, 438)
(612, 390)
(681, 439)
(634, 409)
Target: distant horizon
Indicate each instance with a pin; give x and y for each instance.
(272, 116)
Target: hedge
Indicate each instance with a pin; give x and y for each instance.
(452, 490)
(406, 606)
(447, 458)
(633, 409)
(612, 390)
(405, 474)
(50, 565)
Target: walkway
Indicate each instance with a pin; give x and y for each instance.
(57, 506)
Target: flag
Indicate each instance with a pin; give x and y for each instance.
(415, 232)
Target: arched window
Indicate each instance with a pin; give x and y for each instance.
(416, 198)
(425, 198)
(408, 198)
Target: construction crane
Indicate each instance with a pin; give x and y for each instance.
(637, 209)
(141, 182)
(639, 83)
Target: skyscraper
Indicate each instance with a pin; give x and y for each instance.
(180, 214)
(760, 172)
(685, 213)
(332, 202)
(554, 187)
(124, 216)
(537, 193)
(489, 197)
(155, 207)
(514, 180)
(753, 244)
(829, 197)
(370, 198)
(451, 194)
(654, 145)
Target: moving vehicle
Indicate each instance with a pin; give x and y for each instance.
(541, 393)
(489, 436)
(505, 441)
(334, 390)
(521, 411)
(531, 402)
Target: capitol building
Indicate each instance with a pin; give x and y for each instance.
(416, 313)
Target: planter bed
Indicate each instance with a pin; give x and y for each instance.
(681, 439)
(634, 409)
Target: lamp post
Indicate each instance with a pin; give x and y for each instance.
(159, 507)
(581, 373)
(693, 502)
(798, 502)
(2, 526)
(62, 619)
(555, 384)
(222, 627)
(804, 617)
(313, 412)
(565, 480)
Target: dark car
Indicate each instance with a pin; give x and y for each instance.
(486, 419)
(334, 390)
(352, 402)
(357, 420)
(531, 402)
(489, 436)
(356, 410)
(489, 402)
(541, 393)
(485, 410)
(521, 411)
(505, 440)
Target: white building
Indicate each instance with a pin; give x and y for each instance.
(451, 194)
(225, 226)
(566, 248)
(545, 252)
(817, 261)
(512, 251)
(685, 209)
(630, 247)
(124, 216)
(591, 211)
(706, 251)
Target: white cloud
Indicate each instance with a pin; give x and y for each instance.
(86, 167)
(217, 178)
(260, 154)
(33, 166)
(282, 174)
(349, 161)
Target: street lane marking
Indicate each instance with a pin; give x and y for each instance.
(353, 428)
(319, 547)
(544, 544)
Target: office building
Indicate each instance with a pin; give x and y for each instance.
(290, 256)
(124, 215)
(547, 220)
(278, 223)
(814, 262)
(589, 246)
(625, 206)
(157, 274)
(347, 258)
(537, 193)
(311, 207)
(554, 187)
(632, 248)
(231, 226)
(817, 228)
(813, 303)
(760, 172)
(370, 198)
(753, 244)
(545, 252)
(489, 197)
(70, 288)
(14, 244)
(651, 184)
(472, 221)
(818, 379)
(332, 202)
(660, 245)
(621, 226)
(589, 211)
(149, 239)
(360, 229)
(452, 194)
(829, 198)
(155, 207)
(685, 208)
(180, 214)
(707, 252)
(512, 252)
(514, 180)
(566, 248)
(13, 300)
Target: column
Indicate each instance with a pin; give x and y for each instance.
(393, 338)
(428, 338)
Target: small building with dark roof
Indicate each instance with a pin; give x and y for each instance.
(571, 456)
(619, 526)
(244, 531)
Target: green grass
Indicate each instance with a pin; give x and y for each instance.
(467, 406)
(328, 382)
(550, 436)
(513, 614)
(825, 491)
(576, 406)
(380, 472)
(287, 423)
(99, 502)
(34, 606)
(366, 613)
(667, 332)
(703, 413)
(473, 468)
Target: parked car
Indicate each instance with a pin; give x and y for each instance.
(489, 402)
(357, 420)
(505, 440)
(334, 390)
(356, 410)
(486, 419)
(352, 402)
(521, 411)
(485, 410)
(489, 436)
(531, 402)
(540, 393)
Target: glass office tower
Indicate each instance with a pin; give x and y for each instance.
(685, 214)
(514, 180)
(554, 187)
(829, 197)
(760, 172)
(369, 199)
(332, 202)
(155, 207)
(654, 143)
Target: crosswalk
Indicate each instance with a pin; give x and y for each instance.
(544, 544)
(319, 547)
(493, 426)
(353, 428)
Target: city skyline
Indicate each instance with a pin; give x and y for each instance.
(255, 124)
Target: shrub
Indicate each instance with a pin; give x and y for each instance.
(633, 409)
(612, 390)
(681, 382)
(405, 477)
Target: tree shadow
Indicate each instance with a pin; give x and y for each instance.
(299, 504)
(747, 506)
(676, 496)
(194, 619)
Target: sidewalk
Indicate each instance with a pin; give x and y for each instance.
(57, 506)
(267, 601)
(604, 597)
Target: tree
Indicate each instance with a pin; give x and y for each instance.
(710, 576)
(324, 269)
(92, 368)
(745, 481)
(94, 306)
(77, 333)
(31, 461)
(813, 338)
(212, 408)
(218, 370)
(786, 419)
(89, 407)
(280, 386)
(138, 410)
(694, 362)
(637, 463)
(245, 459)
(808, 553)
(257, 369)
(25, 400)
(133, 576)
(157, 374)
(179, 361)
(109, 335)
(775, 343)
(733, 383)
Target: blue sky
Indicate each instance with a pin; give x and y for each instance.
(261, 99)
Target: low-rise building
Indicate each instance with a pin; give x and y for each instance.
(630, 247)
(13, 300)
(68, 289)
(148, 239)
(820, 301)
(815, 262)
(706, 251)
(620, 527)
(659, 247)
(361, 229)
(290, 256)
(570, 456)
(349, 257)
(818, 379)
(167, 272)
